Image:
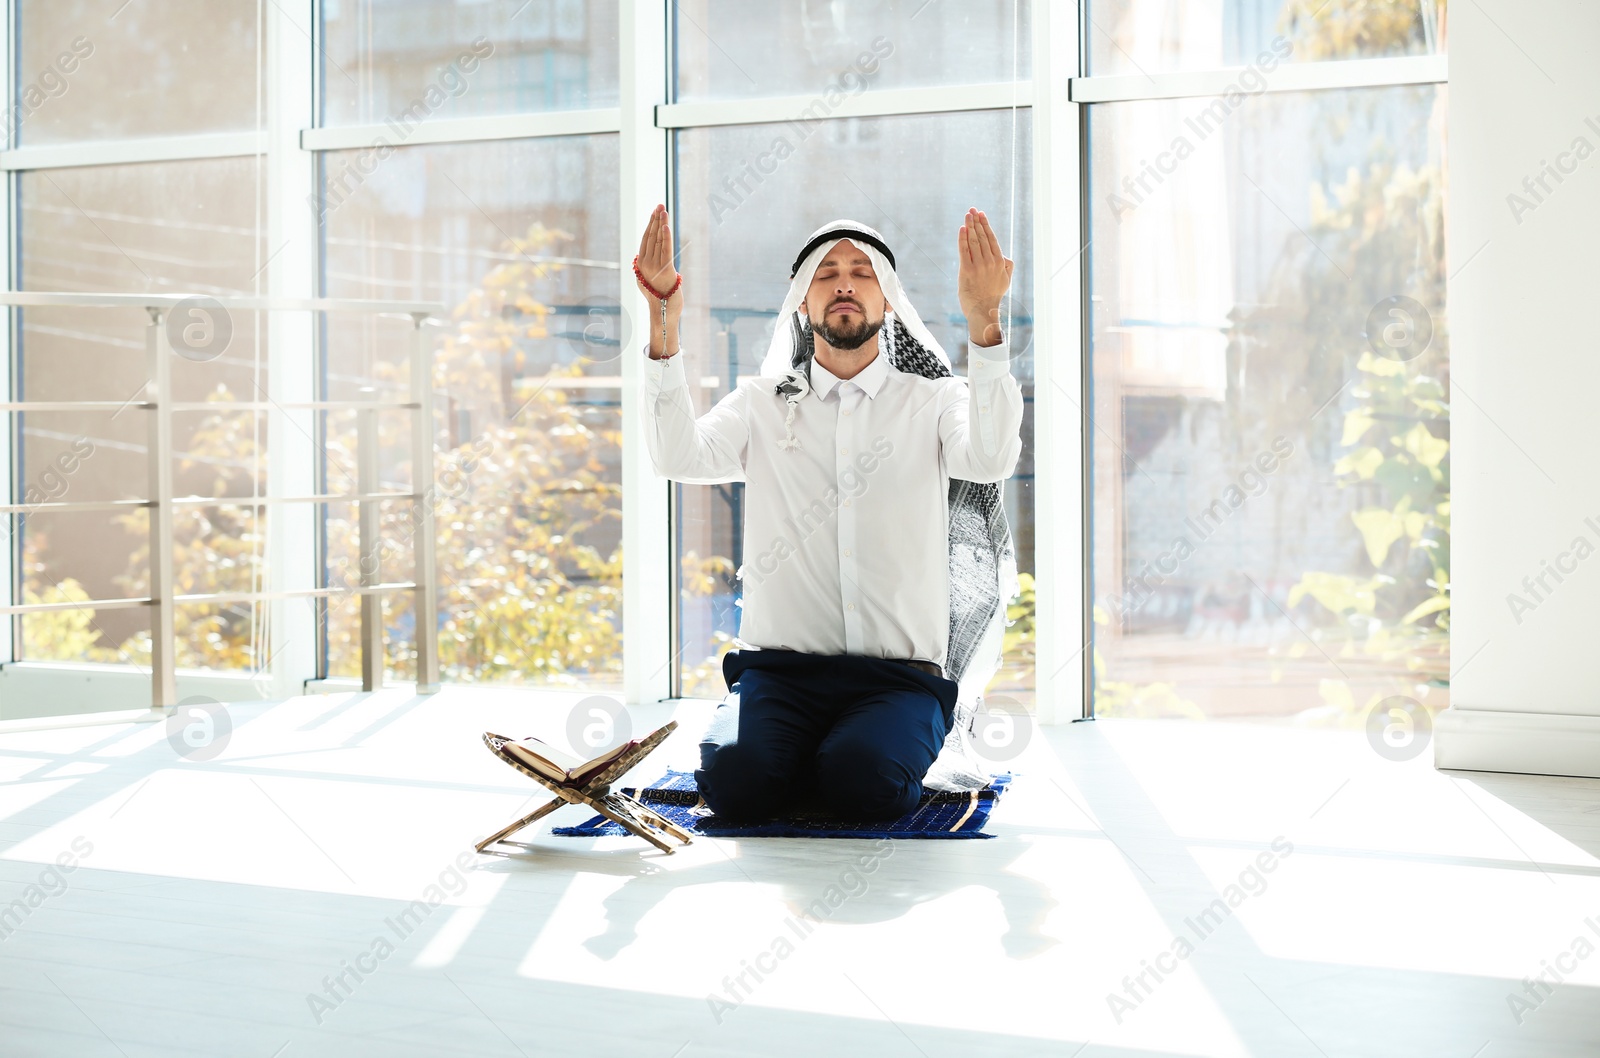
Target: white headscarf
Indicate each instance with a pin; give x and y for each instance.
(781, 352)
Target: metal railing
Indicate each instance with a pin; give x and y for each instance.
(159, 407)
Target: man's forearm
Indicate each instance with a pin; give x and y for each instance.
(653, 325)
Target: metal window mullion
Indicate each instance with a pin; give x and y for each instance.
(649, 655)
(131, 152)
(110, 300)
(291, 244)
(464, 130)
(1061, 581)
(886, 102)
(10, 555)
(1284, 77)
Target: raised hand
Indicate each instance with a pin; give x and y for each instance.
(655, 257)
(655, 266)
(984, 278)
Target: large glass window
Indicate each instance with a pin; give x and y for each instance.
(1269, 443)
(89, 70)
(1155, 36)
(414, 59)
(518, 238)
(738, 238)
(1270, 401)
(169, 226)
(733, 49)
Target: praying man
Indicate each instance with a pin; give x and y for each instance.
(877, 557)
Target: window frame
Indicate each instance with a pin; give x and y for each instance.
(1085, 92)
(647, 121)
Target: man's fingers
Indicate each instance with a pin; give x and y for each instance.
(990, 241)
(656, 236)
(655, 249)
(652, 255)
(986, 237)
(649, 244)
(980, 245)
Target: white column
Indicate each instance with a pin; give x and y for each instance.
(1524, 91)
(292, 246)
(14, 488)
(649, 653)
(1061, 587)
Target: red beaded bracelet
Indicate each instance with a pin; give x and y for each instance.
(646, 283)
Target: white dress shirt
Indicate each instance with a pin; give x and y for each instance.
(846, 538)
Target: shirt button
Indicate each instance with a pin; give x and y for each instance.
(847, 503)
(844, 451)
(847, 552)
(852, 606)
(847, 411)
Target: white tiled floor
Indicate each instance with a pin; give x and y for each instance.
(219, 894)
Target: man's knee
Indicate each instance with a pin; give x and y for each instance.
(743, 780)
(859, 782)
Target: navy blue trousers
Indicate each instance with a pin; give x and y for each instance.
(848, 734)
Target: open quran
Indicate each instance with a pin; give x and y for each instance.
(587, 782)
(561, 767)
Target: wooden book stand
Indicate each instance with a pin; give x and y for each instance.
(596, 793)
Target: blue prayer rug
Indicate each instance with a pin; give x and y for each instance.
(939, 814)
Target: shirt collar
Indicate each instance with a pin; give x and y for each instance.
(869, 378)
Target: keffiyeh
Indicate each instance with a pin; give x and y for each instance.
(983, 569)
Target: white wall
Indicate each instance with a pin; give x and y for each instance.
(1525, 383)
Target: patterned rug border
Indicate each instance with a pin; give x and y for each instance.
(669, 796)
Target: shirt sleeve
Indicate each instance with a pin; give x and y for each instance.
(980, 424)
(701, 451)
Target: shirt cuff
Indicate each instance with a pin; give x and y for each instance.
(992, 361)
(664, 374)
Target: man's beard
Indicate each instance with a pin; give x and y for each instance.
(847, 336)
